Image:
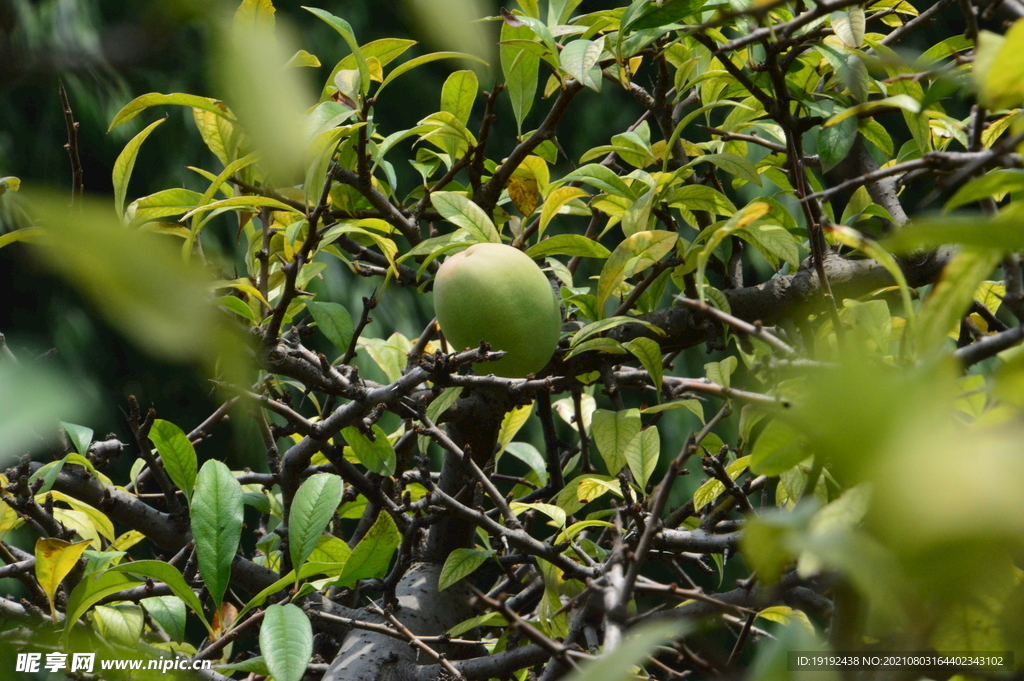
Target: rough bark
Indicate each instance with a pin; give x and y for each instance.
(371, 656)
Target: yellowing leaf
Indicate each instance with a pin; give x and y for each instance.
(55, 558)
(557, 514)
(511, 424)
(555, 202)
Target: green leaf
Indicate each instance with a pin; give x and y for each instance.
(218, 133)
(169, 575)
(638, 217)
(334, 322)
(568, 244)
(775, 242)
(905, 102)
(648, 352)
(657, 15)
(459, 564)
(638, 643)
(378, 455)
(714, 488)
(140, 104)
(303, 58)
(491, 619)
(602, 178)
(849, 24)
(330, 549)
(372, 555)
(125, 163)
(177, 454)
(952, 296)
(732, 164)
(701, 197)
(90, 590)
(286, 641)
(163, 204)
(721, 372)
(559, 11)
(996, 184)
(520, 68)
(312, 567)
(872, 249)
(612, 432)
(168, 612)
(693, 405)
(462, 212)
(747, 216)
(80, 436)
(529, 455)
(250, 202)
(580, 57)
(778, 448)
(999, 68)
(555, 202)
(598, 344)
(24, 234)
(253, 665)
(312, 509)
(635, 254)
(238, 306)
(556, 514)
(253, 13)
(122, 623)
(459, 93)
(424, 59)
(603, 325)
(443, 402)
(346, 32)
(216, 525)
(511, 424)
(835, 143)
(385, 51)
(55, 558)
(642, 454)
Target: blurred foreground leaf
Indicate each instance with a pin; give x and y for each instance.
(31, 402)
(137, 280)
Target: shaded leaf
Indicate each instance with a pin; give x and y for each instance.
(372, 555)
(378, 455)
(334, 321)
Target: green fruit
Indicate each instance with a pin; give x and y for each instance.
(496, 293)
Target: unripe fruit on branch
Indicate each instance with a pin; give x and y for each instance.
(496, 293)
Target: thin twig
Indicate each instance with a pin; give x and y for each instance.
(77, 181)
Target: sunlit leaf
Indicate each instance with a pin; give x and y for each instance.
(459, 564)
